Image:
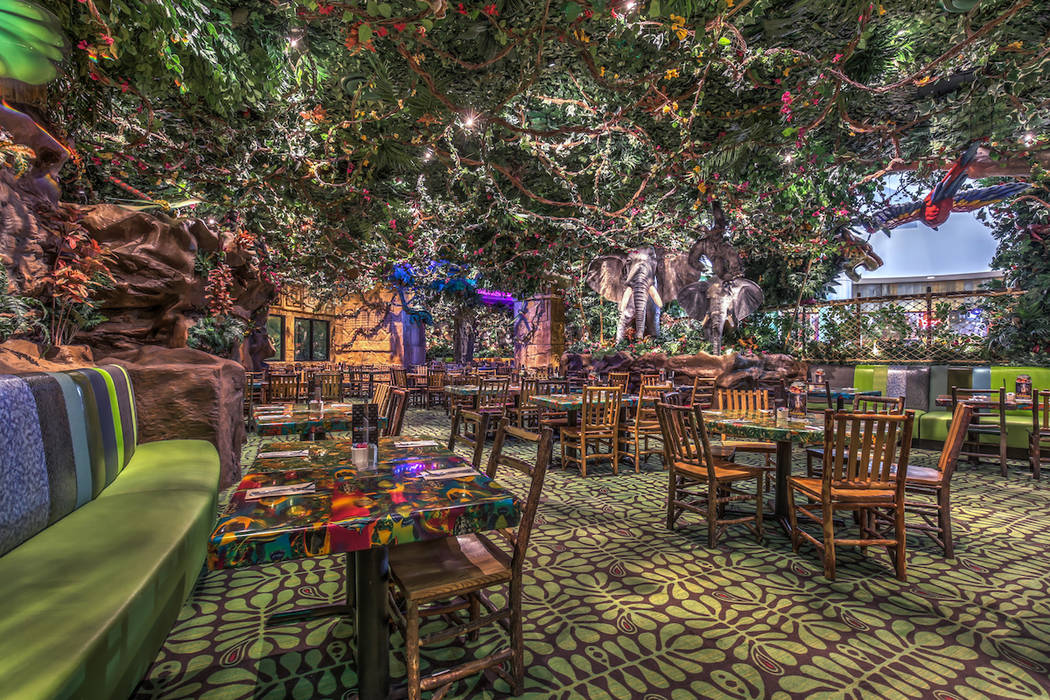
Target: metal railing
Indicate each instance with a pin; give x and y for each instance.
(931, 327)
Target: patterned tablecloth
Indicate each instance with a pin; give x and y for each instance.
(472, 389)
(1021, 404)
(573, 402)
(762, 426)
(299, 419)
(353, 509)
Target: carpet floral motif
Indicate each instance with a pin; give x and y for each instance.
(617, 606)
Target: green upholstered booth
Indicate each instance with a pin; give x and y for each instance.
(101, 538)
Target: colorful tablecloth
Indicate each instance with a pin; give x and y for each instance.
(299, 419)
(762, 426)
(472, 390)
(350, 508)
(1015, 405)
(573, 402)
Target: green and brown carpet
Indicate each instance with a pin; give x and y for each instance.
(617, 606)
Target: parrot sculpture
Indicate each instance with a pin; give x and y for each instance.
(945, 198)
(31, 42)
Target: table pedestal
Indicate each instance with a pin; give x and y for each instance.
(371, 573)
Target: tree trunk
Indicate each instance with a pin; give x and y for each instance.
(463, 336)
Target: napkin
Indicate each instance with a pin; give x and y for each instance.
(271, 491)
(417, 443)
(461, 472)
(285, 453)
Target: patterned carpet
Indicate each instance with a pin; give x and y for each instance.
(616, 606)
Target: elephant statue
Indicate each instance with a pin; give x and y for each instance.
(642, 281)
(725, 297)
(716, 302)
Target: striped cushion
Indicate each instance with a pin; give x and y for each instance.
(65, 436)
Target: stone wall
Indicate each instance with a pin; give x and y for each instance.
(539, 331)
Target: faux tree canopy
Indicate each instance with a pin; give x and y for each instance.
(524, 138)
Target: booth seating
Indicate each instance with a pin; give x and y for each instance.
(101, 538)
(922, 384)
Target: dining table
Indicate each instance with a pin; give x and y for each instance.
(762, 425)
(1018, 403)
(571, 404)
(309, 499)
(307, 420)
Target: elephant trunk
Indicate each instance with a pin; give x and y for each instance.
(641, 301)
(717, 324)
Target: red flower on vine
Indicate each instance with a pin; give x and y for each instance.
(491, 10)
(382, 31)
(399, 26)
(460, 9)
(325, 9)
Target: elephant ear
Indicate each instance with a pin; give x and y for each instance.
(674, 273)
(605, 275)
(693, 298)
(747, 296)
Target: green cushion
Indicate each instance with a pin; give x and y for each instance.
(89, 600)
(864, 377)
(1040, 380)
(934, 425)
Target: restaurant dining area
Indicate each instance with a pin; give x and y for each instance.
(611, 349)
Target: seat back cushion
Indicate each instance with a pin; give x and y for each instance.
(863, 377)
(65, 436)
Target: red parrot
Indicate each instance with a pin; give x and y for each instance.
(945, 198)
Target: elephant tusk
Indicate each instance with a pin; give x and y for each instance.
(656, 296)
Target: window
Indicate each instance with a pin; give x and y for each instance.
(275, 329)
(311, 340)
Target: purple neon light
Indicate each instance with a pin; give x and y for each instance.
(494, 296)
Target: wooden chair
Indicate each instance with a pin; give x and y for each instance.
(253, 392)
(492, 398)
(598, 430)
(860, 451)
(459, 433)
(435, 389)
(1040, 436)
(889, 405)
(549, 417)
(282, 388)
(642, 428)
(935, 515)
(620, 379)
(526, 412)
(819, 396)
(331, 385)
(698, 480)
(703, 392)
(747, 401)
(395, 416)
(399, 377)
(442, 578)
(381, 398)
(984, 421)
(650, 379)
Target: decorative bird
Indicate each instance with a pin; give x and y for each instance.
(945, 198)
(31, 42)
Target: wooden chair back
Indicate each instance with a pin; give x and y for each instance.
(648, 397)
(620, 379)
(684, 435)
(953, 444)
(747, 400)
(492, 393)
(601, 409)
(436, 379)
(331, 385)
(398, 377)
(395, 416)
(529, 388)
(703, 391)
(282, 388)
(984, 416)
(650, 379)
(381, 398)
(861, 450)
(820, 392)
(486, 372)
(535, 470)
(546, 387)
(1040, 405)
(892, 405)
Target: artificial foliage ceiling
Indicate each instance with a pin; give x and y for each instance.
(523, 137)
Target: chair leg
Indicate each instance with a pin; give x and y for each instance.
(809, 465)
(475, 610)
(793, 518)
(900, 557)
(672, 496)
(944, 521)
(583, 456)
(827, 515)
(758, 505)
(712, 512)
(412, 650)
(1002, 453)
(616, 455)
(517, 641)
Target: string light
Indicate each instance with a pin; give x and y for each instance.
(1028, 138)
(789, 158)
(428, 154)
(293, 41)
(468, 120)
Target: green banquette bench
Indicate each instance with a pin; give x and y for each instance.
(101, 538)
(922, 384)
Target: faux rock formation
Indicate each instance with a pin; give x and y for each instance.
(179, 393)
(731, 371)
(158, 289)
